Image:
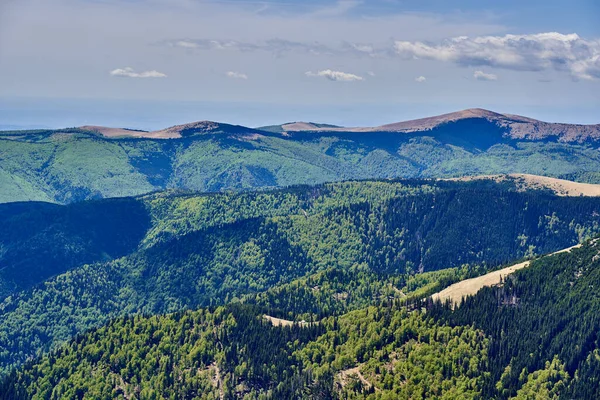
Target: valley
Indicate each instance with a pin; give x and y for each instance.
(379, 350)
(299, 200)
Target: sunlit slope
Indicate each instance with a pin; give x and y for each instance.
(96, 162)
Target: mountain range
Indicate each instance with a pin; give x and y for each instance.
(141, 265)
(92, 162)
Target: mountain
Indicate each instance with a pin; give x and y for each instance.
(515, 126)
(535, 336)
(308, 251)
(74, 164)
(174, 132)
(297, 126)
(146, 268)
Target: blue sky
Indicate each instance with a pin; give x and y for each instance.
(151, 63)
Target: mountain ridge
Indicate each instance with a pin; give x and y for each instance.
(516, 126)
(93, 162)
(173, 132)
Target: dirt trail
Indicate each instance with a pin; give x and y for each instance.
(469, 287)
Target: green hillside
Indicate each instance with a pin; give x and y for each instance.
(70, 165)
(303, 252)
(534, 337)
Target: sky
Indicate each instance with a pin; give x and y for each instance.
(149, 64)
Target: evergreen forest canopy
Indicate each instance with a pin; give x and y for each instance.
(531, 338)
(70, 165)
(164, 295)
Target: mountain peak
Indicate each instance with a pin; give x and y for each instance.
(428, 123)
(478, 112)
(173, 132)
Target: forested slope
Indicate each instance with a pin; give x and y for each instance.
(358, 243)
(543, 324)
(533, 337)
(39, 240)
(232, 352)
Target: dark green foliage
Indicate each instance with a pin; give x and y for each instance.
(362, 242)
(536, 336)
(353, 260)
(191, 355)
(584, 176)
(233, 352)
(40, 240)
(549, 309)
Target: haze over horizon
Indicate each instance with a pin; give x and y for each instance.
(149, 64)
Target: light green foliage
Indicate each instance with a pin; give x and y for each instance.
(403, 356)
(71, 165)
(233, 352)
(547, 383)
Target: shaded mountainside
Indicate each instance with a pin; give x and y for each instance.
(39, 240)
(95, 162)
(353, 243)
(533, 337)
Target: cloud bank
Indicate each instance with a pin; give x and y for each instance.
(420, 79)
(535, 52)
(129, 72)
(275, 46)
(335, 75)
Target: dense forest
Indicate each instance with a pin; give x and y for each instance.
(307, 252)
(535, 336)
(543, 324)
(70, 165)
(40, 240)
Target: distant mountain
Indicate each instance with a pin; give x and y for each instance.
(173, 132)
(297, 126)
(91, 162)
(515, 126)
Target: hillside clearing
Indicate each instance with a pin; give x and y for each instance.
(285, 322)
(456, 292)
(560, 187)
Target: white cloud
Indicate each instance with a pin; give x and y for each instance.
(482, 76)
(371, 73)
(535, 52)
(236, 75)
(420, 79)
(335, 75)
(129, 72)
